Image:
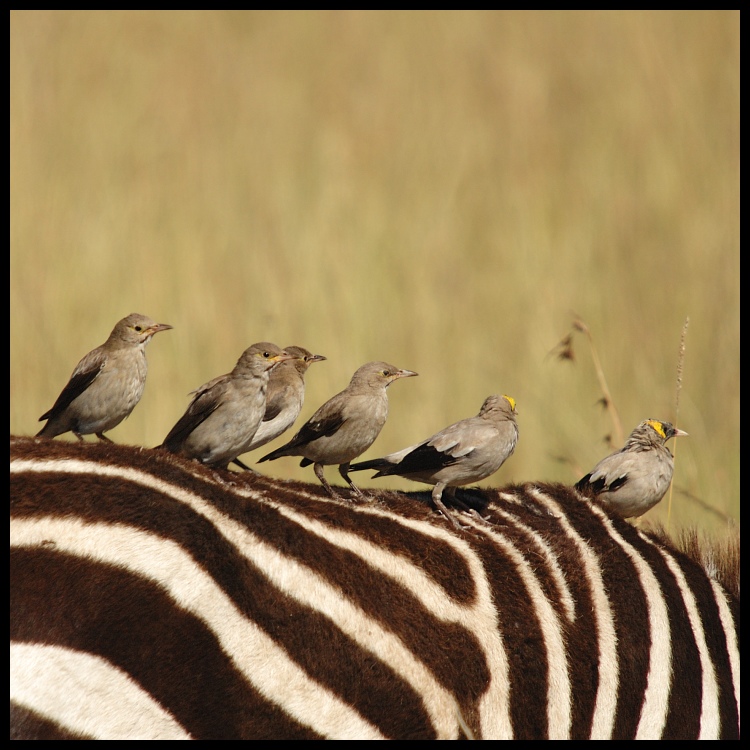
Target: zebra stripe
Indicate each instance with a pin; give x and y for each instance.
(152, 597)
(48, 677)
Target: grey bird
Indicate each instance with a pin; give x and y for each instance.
(221, 420)
(464, 452)
(634, 479)
(285, 396)
(346, 425)
(106, 384)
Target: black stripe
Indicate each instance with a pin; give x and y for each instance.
(26, 724)
(137, 627)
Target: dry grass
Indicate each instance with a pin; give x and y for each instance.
(437, 189)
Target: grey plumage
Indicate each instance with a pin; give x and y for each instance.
(635, 478)
(224, 415)
(346, 425)
(465, 452)
(285, 396)
(106, 384)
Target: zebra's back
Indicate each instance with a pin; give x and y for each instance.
(151, 599)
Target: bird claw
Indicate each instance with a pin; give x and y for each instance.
(478, 517)
(356, 495)
(449, 517)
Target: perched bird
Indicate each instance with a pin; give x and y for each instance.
(284, 397)
(634, 479)
(106, 384)
(465, 452)
(221, 420)
(346, 425)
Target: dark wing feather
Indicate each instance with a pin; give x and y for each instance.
(77, 384)
(201, 407)
(275, 400)
(424, 458)
(312, 430)
(599, 485)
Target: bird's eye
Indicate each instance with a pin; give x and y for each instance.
(266, 354)
(386, 373)
(139, 328)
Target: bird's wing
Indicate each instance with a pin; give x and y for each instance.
(276, 399)
(608, 475)
(206, 401)
(462, 438)
(198, 392)
(327, 424)
(321, 424)
(443, 449)
(423, 459)
(83, 376)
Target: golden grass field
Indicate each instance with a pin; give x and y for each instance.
(446, 191)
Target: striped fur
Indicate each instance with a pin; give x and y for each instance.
(152, 597)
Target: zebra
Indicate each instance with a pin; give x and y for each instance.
(155, 598)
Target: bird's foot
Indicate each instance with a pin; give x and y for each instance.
(356, 495)
(454, 521)
(447, 514)
(478, 517)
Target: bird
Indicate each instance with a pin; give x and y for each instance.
(635, 478)
(106, 385)
(467, 451)
(346, 425)
(284, 397)
(221, 420)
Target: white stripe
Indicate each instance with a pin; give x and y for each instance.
(710, 724)
(306, 586)
(567, 602)
(559, 701)
(605, 707)
(733, 647)
(479, 618)
(86, 695)
(655, 705)
(263, 663)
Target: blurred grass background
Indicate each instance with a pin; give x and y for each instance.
(446, 191)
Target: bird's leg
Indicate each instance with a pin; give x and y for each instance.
(344, 471)
(437, 495)
(318, 469)
(79, 436)
(466, 508)
(103, 437)
(460, 504)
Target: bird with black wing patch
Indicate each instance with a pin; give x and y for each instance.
(465, 452)
(635, 478)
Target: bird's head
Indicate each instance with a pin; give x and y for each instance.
(138, 329)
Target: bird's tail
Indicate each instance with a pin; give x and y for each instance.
(378, 464)
(273, 455)
(47, 430)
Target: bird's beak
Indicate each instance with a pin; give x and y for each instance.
(159, 327)
(404, 374)
(679, 433)
(316, 358)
